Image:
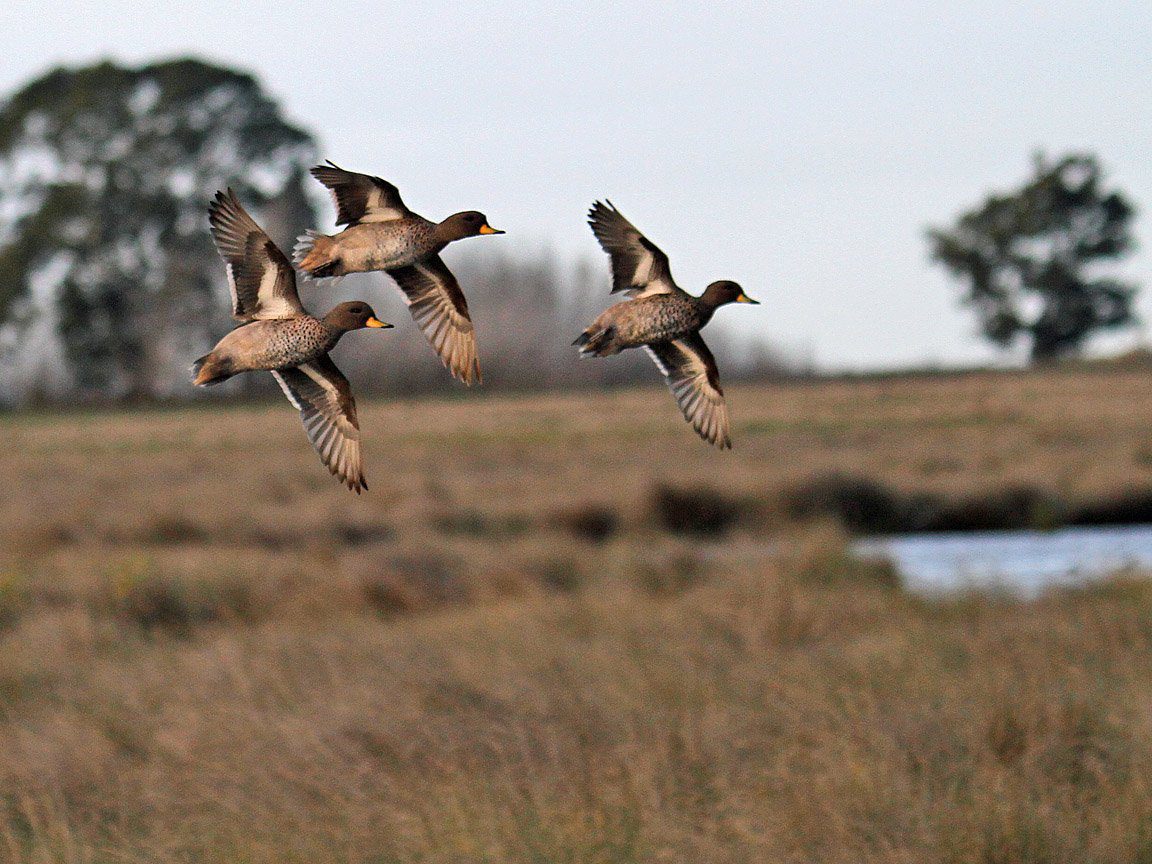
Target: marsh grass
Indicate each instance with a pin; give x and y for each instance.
(753, 716)
(211, 652)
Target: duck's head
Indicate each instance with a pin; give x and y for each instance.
(470, 223)
(353, 315)
(725, 291)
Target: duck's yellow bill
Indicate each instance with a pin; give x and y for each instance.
(744, 298)
(376, 322)
(488, 229)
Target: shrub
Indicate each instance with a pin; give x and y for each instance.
(1012, 508)
(561, 574)
(1128, 507)
(475, 523)
(176, 603)
(592, 522)
(409, 583)
(858, 503)
(696, 511)
(14, 597)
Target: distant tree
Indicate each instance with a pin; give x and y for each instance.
(1031, 259)
(105, 174)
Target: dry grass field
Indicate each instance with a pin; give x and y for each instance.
(562, 629)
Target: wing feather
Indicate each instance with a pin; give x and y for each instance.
(361, 197)
(324, 398)
(694, 380)
(439, 309)
(639, 267)
(261, 280)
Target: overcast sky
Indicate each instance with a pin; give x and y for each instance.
(799, 148)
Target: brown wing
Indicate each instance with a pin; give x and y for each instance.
(437, 304)
(638, 265)
(262, 281)
(361, 197)
(324, 398)
(692, 376)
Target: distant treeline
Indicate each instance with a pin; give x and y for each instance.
(527, 313)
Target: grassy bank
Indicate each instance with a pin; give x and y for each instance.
(551, 633)
(799, 711)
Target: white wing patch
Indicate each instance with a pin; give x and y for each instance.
(287, 390)
(315, 374)
(273, 304)
(230, 269)
(378, 209)
(260, 279)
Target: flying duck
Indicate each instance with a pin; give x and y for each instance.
(663, 319)
(276, 334)
(381, 233)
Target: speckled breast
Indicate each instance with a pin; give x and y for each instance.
(294, 341)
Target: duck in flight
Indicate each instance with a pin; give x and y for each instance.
(277, 335)
(381, 233)
(663, 319)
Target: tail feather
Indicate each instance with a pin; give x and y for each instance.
(313, 255)
(595, 342)
(304, 244)
(209, 370)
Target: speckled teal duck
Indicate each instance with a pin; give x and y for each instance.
(277, 335)
(383, 234)
(663, 319)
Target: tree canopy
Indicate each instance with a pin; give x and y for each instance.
(1032, 260)
(106, 268)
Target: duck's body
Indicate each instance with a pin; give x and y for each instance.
(663, 319)
(383, 234)
(275, 334)
(366, 247)
(281, 343)
(640, 322)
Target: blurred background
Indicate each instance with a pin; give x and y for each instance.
(803, 154)
(905, 619)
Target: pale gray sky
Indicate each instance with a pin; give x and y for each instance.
(799, 148)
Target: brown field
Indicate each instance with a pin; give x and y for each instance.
(562, 629)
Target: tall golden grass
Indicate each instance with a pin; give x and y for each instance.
(209, 651)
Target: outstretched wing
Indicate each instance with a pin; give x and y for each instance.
(638, 265)
(361, 197)
(692, 376)
(262, 281)
(437, 304)
(324, 398)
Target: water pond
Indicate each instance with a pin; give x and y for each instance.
(1025, 562)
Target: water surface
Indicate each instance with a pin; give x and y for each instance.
(1020, 561)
